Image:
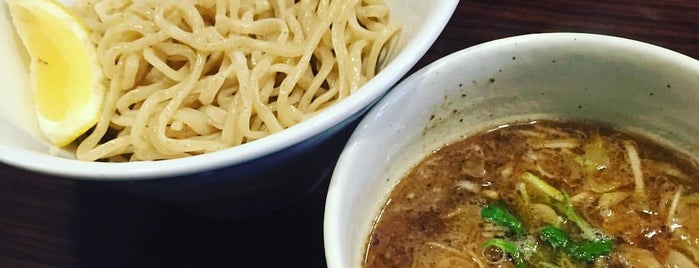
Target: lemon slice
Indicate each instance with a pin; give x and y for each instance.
(64, 72)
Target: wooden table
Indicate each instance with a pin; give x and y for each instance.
(53, 222)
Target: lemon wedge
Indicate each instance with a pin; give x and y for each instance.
(65, 75)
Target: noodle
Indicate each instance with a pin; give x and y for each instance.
(191, 77)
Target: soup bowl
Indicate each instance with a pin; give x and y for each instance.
(626, 83)
(241, 181)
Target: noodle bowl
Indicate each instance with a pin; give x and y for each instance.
(190, 77)
(249, 179)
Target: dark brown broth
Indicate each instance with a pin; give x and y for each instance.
(433, 218)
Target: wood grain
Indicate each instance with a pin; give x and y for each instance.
(54, 222)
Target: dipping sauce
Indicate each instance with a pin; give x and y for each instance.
(543, 194)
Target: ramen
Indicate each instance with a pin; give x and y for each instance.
(196, 76)
(543, 194)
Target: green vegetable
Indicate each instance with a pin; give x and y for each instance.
(595, 243)
(506, 246)
(510, 248)
(562, 204)
(544, 187)
(498, 213)
(520, 245)
(588, 232)
(590, 250)
(587, 250)
(556, 237)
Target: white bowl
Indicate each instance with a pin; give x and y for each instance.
(558, 75)
(242, 171)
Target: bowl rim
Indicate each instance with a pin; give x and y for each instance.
(143, 170)
(336, 198)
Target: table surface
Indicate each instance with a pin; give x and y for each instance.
(53, 222)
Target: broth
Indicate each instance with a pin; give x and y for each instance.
(583, 194)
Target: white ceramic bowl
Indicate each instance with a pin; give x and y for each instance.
(558, 75)
(282, 165)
